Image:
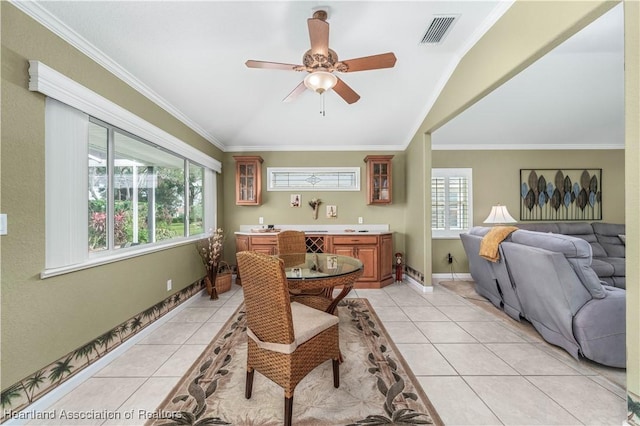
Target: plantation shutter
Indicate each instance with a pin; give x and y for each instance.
(451, 204)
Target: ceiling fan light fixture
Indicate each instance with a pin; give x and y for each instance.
(320, 81)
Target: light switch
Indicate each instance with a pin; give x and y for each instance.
(3, 224)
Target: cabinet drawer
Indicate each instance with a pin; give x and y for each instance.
(364, 239)
(271, 239)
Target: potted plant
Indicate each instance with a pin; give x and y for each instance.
(210, 250)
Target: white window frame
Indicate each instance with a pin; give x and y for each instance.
(66, 234)
(447, 173)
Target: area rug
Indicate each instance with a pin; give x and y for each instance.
(376, 385)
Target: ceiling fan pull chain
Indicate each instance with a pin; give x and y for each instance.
(322, 111)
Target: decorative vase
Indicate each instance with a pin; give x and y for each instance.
(210, 282)
(315, 212)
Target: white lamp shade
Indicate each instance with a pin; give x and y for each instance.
(499, 214)
(320, 81)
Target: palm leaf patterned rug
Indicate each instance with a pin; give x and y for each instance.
(376, 385)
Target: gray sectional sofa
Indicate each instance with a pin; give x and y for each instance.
(608, 249)
(548, 279)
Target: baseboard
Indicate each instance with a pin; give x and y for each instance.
(436, 278)
(417, 285)
(60, 391)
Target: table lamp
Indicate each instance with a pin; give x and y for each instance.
(499, 216)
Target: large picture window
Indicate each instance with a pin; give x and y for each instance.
(146, 190)
(116, 186)
(451, 202)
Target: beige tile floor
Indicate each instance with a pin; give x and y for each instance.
(476, 368)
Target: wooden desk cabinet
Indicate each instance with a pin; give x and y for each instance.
(374, 251)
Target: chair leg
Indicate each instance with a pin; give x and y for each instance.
(288, 410)
(249, 384)
(336, 373)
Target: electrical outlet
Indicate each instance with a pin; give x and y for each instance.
(169, 285)
(360, 220)
(260, 220)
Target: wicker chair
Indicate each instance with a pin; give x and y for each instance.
(291, 248)
(291, 242)
(274, 349)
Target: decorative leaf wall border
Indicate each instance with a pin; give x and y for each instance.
(633, 409)
(560, 194)
(26, 391)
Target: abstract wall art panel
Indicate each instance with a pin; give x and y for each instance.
(560, 194)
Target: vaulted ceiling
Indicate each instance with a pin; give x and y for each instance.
(189, 57)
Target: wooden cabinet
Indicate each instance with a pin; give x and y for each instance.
(374, 251)
(266, 244)
(248, 180)
(379, 177)
(386, 256)
(242, 243)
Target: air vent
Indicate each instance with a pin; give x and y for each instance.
(438, 29)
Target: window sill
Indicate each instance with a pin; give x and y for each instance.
(127, 253)
(447, 236)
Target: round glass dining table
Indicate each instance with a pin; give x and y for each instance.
(312, 278)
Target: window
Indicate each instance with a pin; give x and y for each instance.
(313, 178)
(147, 192)
(116, 186)
(451, 202)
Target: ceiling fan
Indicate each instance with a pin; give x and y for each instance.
(320, 62)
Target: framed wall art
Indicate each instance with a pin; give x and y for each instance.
(560, 194)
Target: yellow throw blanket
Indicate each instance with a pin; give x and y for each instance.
(491, 241)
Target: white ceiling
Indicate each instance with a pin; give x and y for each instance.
(571, 98)
(189, 57)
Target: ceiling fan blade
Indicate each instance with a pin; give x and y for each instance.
(346, 92)
(270, 65)
(384, 60)
(319, 36)
(295, 92)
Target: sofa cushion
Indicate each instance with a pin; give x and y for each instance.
(608, 237)
(540, 227)
(619, 265)
(603, 269)
(576, 250)
(481, 231)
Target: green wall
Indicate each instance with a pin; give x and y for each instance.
(351, 205)
(43, 320)
(632, 174)
(418, 228)
(496, 180)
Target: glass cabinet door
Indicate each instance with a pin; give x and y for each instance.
(379, 179)
(248, 180)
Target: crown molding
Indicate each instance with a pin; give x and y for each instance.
(36, 11)
(524, 147)
(317, 148)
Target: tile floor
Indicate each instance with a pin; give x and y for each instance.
(476, 368)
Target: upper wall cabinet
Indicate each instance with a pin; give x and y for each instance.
(248, 180)
(379, 179)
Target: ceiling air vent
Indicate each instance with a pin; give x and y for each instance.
(438, 28)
